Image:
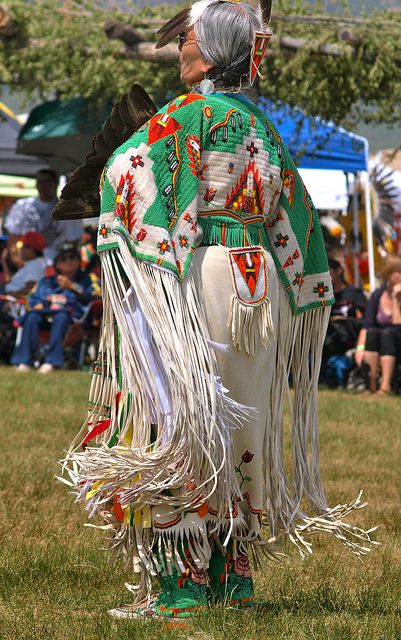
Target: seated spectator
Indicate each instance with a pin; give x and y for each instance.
(33, 269)
(350, 302)
(379, 341)
(344, 325)
(34, 214)
(59, 300)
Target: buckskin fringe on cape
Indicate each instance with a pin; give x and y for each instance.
(198, 435)
(157, 440)
(299, 349)
(194, 438)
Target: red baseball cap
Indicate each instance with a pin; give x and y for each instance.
(34, 240)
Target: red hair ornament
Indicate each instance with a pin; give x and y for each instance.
(260, 44)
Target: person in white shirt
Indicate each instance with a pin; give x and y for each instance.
(34, 214)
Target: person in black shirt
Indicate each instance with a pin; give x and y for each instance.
(349, 301)
(344, 325)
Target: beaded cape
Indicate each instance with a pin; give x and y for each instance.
(197, 172)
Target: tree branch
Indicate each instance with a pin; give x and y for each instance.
(138, 46)
(147, 51)
(8, 26)
(117, 30)
(330, 19)
(170, 53)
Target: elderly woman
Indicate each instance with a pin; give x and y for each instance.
(215, 286)
(379, 341)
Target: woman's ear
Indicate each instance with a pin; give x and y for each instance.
(207, 67)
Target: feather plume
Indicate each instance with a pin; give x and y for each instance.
(266, 7)
(80, 196)
(387, 187)
(198, 8)
(173, 27)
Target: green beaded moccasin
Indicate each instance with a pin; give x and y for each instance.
(182, 596)
(230, 580)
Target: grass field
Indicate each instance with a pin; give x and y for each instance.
(56, 583)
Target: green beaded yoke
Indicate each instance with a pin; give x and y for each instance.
(214, 170)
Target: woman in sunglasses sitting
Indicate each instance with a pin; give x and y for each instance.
(56, 302)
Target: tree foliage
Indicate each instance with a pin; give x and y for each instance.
(61, 48)
(64, 51)
(364, 82)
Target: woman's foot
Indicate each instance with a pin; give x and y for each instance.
(182, 595)
(382, 393)
(230, 580)
(144, 609)
(133, 611)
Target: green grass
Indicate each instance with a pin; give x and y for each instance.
(56, 583)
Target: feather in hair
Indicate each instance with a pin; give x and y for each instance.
(173, 27)
(198, 8)
(266, 7)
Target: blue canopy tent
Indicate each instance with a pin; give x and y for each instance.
(315, 144)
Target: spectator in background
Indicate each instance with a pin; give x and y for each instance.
(3, 247)
(61, 298)
(345, 322)
(88, 246)
(350, 302)
(379, 341)
(33, 269)
(34, 214)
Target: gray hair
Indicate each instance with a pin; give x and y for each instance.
(225, 36)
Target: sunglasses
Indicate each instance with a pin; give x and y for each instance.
(183, 39)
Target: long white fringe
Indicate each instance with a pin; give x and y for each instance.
(182, 458)
(299, 350)
(250, 326)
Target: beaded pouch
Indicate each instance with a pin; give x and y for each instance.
(250, 314)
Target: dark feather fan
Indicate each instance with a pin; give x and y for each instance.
(80, 196)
